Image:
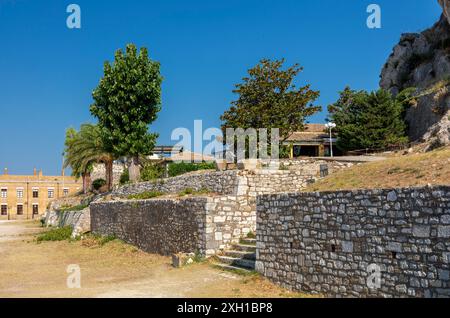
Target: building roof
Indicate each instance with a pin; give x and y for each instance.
(312, 132)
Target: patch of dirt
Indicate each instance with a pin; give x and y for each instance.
(29, 269)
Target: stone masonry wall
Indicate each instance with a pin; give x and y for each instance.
(205, 225)
(161, 226)
(80, 221)
(233, 182)
(328, 242)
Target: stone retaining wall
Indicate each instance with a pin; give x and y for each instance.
(80, 221)
(333, 243)
(233, 182)
(204, 225)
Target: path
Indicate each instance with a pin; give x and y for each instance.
(28, 269)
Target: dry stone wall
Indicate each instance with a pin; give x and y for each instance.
(203, 225)
(334, 243)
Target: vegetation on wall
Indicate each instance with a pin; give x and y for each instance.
(176, 169)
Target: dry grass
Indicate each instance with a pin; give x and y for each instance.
(398, 171)
(114, 269)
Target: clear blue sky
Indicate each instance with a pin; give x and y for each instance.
(47, 71)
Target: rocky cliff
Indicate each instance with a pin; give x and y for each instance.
(422, 60)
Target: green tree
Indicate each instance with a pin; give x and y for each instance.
(369, 120)
(126, 101)
(85, 148)
(268, 98)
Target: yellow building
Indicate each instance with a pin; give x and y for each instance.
(27, 197)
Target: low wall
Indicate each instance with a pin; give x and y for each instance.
(233, 182)
(334, 243)
(80, 221)
(222, 182)
(200, 224)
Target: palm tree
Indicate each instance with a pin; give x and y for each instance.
(85, 148)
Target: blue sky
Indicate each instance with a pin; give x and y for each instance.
(47, 71)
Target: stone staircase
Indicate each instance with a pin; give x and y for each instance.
(240, 257)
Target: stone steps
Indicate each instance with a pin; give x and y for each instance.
(245, 248)
(241, 256)
(248, 241)
(237, 262)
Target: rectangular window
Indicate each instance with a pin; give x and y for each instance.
(4, 193)
(35, 209)
(4, 210)
(19, 193)
(66, 192)
(35, 193)
(51, 193)
(20, 209)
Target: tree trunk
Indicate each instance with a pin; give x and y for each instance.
(134, 170)
(86, 182)
(109, 174)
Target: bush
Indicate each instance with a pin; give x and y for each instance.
(176, 169)
(98, 183)
(59, 234)
(125, 177)
(151, 171)
(79, 207)
(190, 191)
(145, 195)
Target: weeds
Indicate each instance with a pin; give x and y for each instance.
(59, 234)
(145, 195)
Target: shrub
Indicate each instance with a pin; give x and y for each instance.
(98, 183)
(59, 234)
(151, 171)
(145, 195)
(79, 207)
(125, 177)
(190, 191)
(176, 169)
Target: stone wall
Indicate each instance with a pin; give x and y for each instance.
(331, 242)
(233, 182)
(99, 172)
(223, 182)
(312, 166)
(199, 224)
(80, 221)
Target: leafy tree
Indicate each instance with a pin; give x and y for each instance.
(369, 120)
(268, 98)
(126, 101)
(83, 149)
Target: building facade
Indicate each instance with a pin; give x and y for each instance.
(27, 197)
(314, 141)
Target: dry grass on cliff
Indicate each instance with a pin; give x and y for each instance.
(397, 171)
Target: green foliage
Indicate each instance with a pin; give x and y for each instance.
(151, 171)
(269, 99)
(251, 235)
(127, 100)
(176, 169)
(124, 177)
(98, 183)
(190, 191)
(57, 234)
(84, 148)
(369, 120)
(145, 195)
(75, 208)
(102, 239)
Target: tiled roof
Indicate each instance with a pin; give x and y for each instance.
(311, 132)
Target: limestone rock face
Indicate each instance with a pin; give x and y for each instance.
(422, 60)
(445, 4)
